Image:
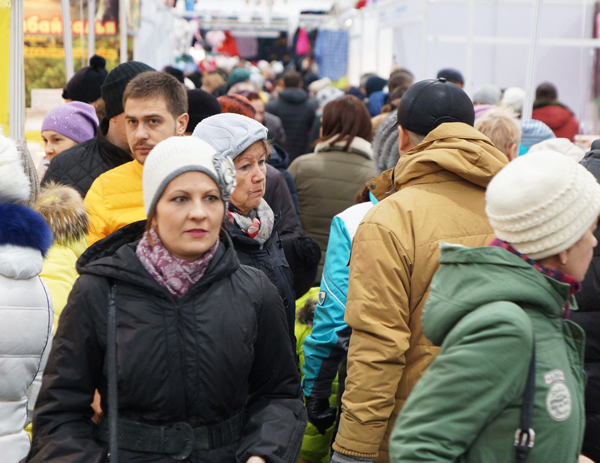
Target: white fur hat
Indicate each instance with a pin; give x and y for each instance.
(561, 145)
(542, 203)
(14, 184)
(177, 155)
(513, 98)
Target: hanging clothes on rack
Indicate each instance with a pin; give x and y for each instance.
(229, 46)
(247, 47)
(302, 45)
(331, 53)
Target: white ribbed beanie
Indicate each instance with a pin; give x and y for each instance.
(176, 155)
(542, 203)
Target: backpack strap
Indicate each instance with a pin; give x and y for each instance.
(525, 436)
(111, 363)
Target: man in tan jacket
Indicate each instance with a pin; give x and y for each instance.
(435, 193)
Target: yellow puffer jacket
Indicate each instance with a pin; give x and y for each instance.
(114, 200)
(62, 208)
(435, 193)
(59, 272)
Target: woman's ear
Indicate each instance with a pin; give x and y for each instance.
(513, 152)
(563, 257)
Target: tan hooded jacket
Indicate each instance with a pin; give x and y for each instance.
(435, 193)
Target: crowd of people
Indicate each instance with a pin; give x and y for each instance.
(255, 266)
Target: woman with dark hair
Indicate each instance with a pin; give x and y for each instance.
(187, 347)
(328, 179)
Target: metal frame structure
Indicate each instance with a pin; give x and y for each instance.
(16, 104)
(382, 9)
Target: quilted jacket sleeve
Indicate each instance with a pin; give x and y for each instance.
(275, 414)
(96, 209)
(62, 426)
(378, 313)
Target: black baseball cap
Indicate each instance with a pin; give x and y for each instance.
(430, 103)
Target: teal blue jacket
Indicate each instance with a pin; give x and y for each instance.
(327, 344)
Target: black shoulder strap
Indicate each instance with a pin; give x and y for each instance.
(525, 436)
(111, 362)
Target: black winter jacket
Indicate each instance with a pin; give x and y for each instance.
(281, 161)
(588, 317)
(270, 258)
(278, 197)
(297, 114)
(200, 359)
(80, 165)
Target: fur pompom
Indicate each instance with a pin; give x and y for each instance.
(14, 184)
(307, 313)
(62, 208)
(21, 226)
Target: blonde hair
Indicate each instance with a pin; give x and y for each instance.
(502, 127)
(213, 80)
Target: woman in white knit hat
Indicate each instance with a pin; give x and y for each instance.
(508, 382)
(187, 347)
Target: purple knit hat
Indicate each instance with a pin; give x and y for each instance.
(74, 120)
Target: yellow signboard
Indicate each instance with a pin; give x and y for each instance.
(4, 59)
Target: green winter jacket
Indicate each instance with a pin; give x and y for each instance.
(486, 306)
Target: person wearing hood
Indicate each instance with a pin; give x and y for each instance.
(435, 193)
(329, 179)
(80, 165)
(253, 226)
(26, 308)
(297, 114)
(557, 116)
(62, 209)
(203, 369)
(500, 314)
(588, 317)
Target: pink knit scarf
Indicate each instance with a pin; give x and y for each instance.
(174, 274)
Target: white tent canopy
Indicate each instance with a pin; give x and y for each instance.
(490, 41)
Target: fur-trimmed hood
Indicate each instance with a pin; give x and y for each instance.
(62, 208)
(23, 227)
(358, 146)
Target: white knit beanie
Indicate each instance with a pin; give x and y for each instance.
(177, 155)
(542, 203)
(14, 184)
(561, 145)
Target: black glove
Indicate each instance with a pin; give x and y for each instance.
(320, 414)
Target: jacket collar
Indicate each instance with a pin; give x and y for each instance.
(358, 146)
(453, 151)
(114, 155)
(114, 257)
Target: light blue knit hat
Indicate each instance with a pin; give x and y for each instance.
(230, 134)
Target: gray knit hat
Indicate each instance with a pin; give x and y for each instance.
(230, 134)
(488, 94)
(177, 155)
(385, 144)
